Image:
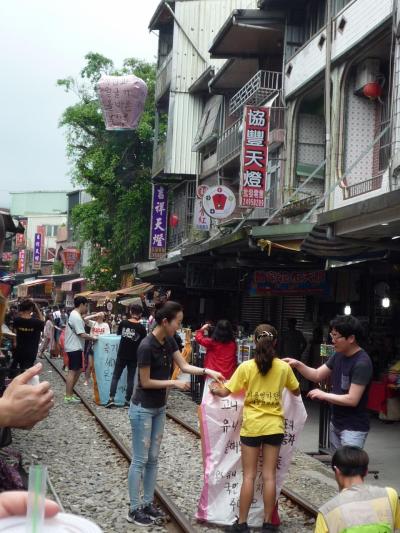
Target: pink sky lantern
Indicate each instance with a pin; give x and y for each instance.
(122, 100)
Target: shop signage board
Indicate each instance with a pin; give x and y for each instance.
(158, 225)
(280, 282)
(219, 202)
(7, 256)
(20, 239)
(254, 158)
(37, 251)
(21, 260)
(201, 220)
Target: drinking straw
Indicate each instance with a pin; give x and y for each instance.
(36, 498)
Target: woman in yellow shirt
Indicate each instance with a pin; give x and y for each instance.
(263, 380)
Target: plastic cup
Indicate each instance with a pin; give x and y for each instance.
(61, 523)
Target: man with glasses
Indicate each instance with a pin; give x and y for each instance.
(350, 370)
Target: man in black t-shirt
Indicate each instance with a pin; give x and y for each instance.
(27, 329)
(350, 369)
(132, 333)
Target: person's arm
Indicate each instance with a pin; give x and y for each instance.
(201, 339)
(79, 330)
(38, 312)
(351, 399)
(148, 383)
(292, 383)
(237, 383)
(88, 318)
(315, 375)
(195, 370)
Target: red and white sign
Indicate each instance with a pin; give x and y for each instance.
(70, 256)
(7, 256)
(254, 161)
(20, 239)
(219, 202)
(21, 260)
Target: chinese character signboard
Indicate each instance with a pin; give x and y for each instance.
(7, 257)
(219, 202)
(21, 260)
(122, 100)
(20, 239)
(37, 251)
(278, 282)
(254, 162)
(158, 229)
(70, 256)
(201, 220)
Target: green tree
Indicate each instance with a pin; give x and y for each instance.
(115, 169)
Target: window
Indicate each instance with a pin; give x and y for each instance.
(337, 5)
(51, 231)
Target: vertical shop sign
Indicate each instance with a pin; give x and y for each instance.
(21, 260)
(254, 159)
(37, 251)
(201, 220)
(158, 228)
(20, 239)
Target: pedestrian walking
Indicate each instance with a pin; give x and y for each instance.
(220, 347)
(263, 380)
(350, 371)
(132, 333)
(359, 508)
(74, 344)
(97, 327)
(293, 342)
(48, 343)
(155, 355)
(28, 329)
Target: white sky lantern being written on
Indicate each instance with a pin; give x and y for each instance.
(122, 100)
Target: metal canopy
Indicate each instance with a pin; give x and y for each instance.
(201, 84)
(250, 33)
(233, 74)
(162, 15)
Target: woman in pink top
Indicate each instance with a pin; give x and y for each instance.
(220, 348)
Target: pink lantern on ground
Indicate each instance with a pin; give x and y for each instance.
(122, 100)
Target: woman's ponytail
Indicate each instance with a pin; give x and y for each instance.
(265, 338)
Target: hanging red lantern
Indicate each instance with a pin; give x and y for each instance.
(372, 90)
(173, 221)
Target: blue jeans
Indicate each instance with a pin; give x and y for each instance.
(147, 432)
(346, 437)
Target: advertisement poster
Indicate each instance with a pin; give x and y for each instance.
(279, 283)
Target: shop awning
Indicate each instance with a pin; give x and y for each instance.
(22, 289)
(233, 75)
(67, 286)
(136, 290)
(201, 84)
(250, 33)
(130, 301)
(85, 294)
(321, 243)
(287, 246)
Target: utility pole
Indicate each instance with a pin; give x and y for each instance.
(328, 100)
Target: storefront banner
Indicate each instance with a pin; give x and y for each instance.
(280, 282)
(201, 220)
(21, 260)
(37, 251)
(254, 157)
(20, 239)
(105, 355)
(158, 225)
(221, 420)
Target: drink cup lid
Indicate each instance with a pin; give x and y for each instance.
(61, 523)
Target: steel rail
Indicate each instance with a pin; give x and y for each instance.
(296, 498)
(177, 517)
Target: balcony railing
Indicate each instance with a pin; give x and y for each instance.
(159, 158)
(230, 141)
(363, 187)
(256, 91)
(164, 76)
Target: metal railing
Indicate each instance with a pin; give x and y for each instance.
(163, 78)
(263, 84)
(159, 158)
(363, 187)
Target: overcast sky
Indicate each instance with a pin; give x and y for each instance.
(41, 41)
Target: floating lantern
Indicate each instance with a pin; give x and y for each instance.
(372, 90)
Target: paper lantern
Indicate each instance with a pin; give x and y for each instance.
(122, 100)
(70, 256)
(372, 90)
(173, 221)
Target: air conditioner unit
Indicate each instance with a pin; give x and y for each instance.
(367, 72)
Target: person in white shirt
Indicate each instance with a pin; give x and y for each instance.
(97, 327)
(75, 337)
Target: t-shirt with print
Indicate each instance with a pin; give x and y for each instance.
(132, 334)
(263, 410)
(151, 353)
(28, 337)
(99, 328)
(75, 327)
(346, 370)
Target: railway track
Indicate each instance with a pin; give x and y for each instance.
(179, 521)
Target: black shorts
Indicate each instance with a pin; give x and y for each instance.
(256, 442)
(75, 360)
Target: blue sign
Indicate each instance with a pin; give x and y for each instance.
(158, 228)
(37, 251)
(105, 355)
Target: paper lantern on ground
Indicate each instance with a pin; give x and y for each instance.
(372, 90)
(122, 100)
(173, 221)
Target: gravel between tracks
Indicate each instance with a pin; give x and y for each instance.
(90, 475)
